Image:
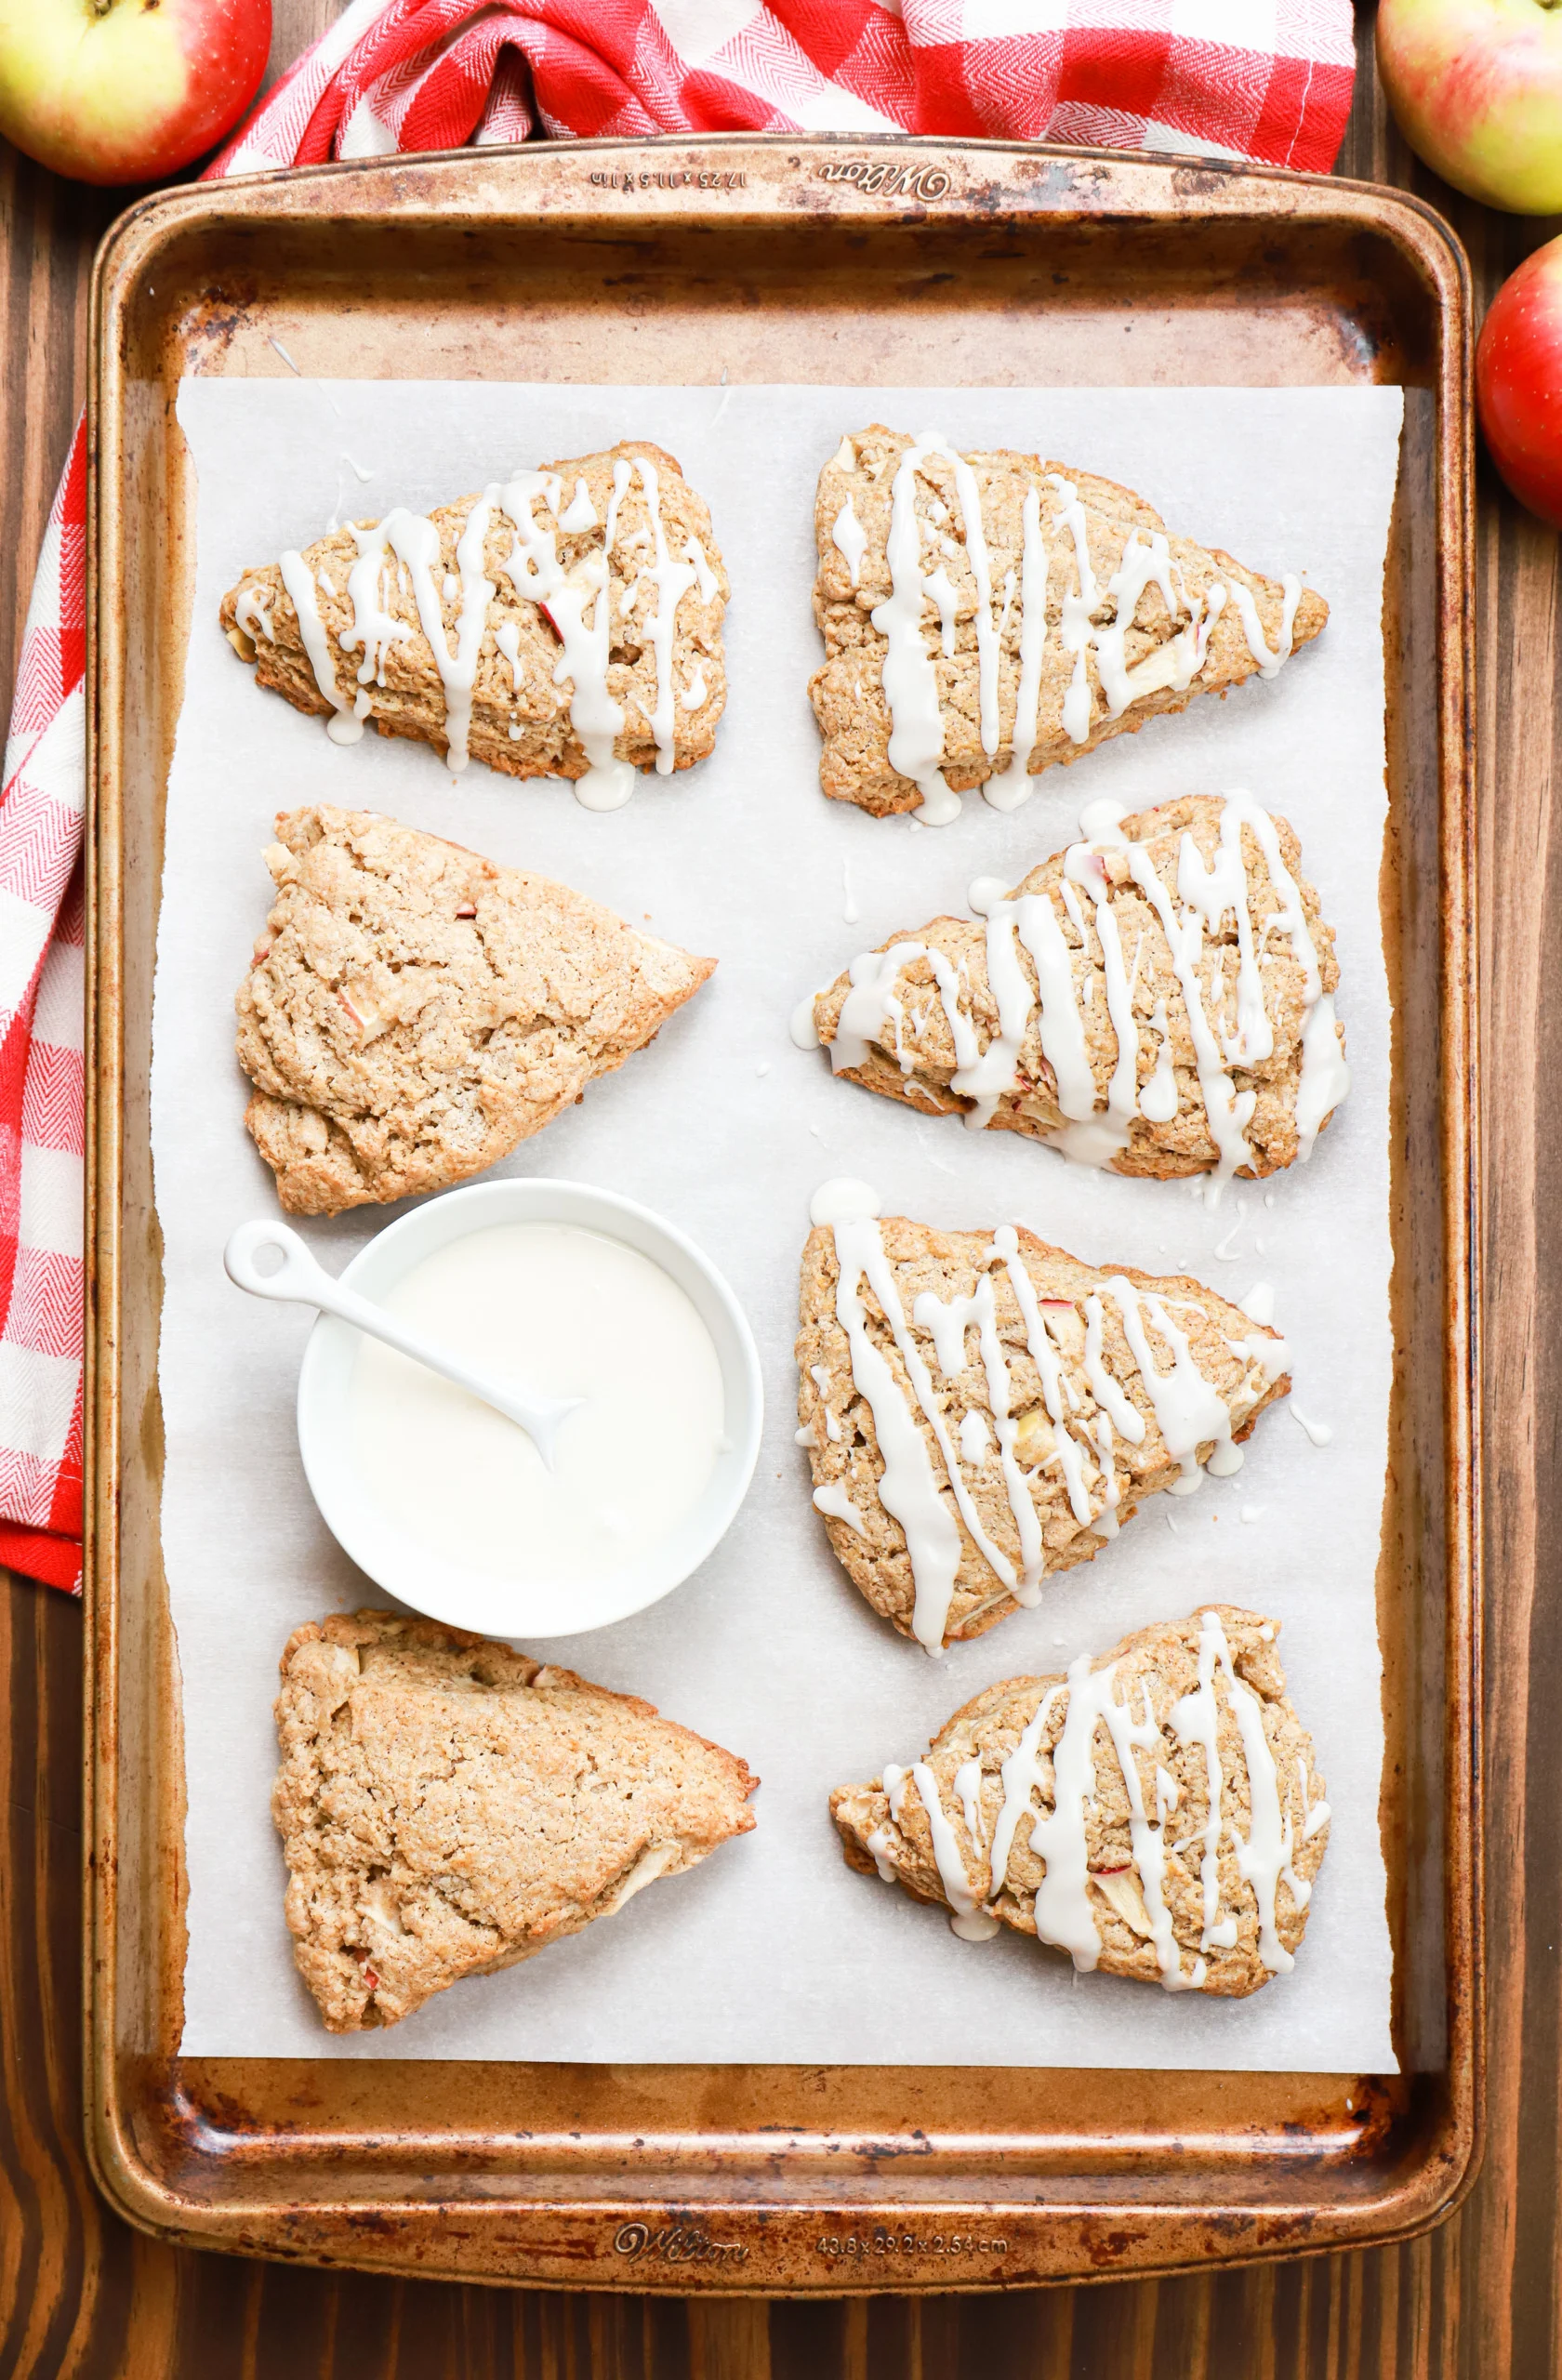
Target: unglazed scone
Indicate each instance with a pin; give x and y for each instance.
(412, 1010)
(448, 1807)
(1158, 998)
(986, 616)
(566, 623)
(981, 1411)
(1155, 1813)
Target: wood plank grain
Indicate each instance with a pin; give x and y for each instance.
(81, 2294)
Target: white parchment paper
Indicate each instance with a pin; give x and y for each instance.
(772, 1950)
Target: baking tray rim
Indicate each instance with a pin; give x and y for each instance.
(1441, 2179)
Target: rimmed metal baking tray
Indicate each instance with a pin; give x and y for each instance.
(896, 262)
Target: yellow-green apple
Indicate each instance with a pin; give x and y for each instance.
(1518, 382)
(1475, 87)
(128, 90)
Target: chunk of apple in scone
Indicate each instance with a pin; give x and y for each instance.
(981, 1411)
(1155, 1812)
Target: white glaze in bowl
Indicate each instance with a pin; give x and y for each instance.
(442, 1587)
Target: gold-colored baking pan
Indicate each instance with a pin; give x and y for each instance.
(834, 261)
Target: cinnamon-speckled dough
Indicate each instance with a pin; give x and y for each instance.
(842, 1442)
(448, 1807)
(917, 1064)
(414, 1011)
(521, 716)
(848, 692)
(1154, 1668)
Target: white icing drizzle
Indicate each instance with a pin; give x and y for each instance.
(1315, 1815)
(1228, 1111)
(1142, 565)
(580, 513)
(253, 615)
(873, 1001)
(988, 632)
(1325, 1076)
(1091, 1136)
(705, 577)
(673, 581)
(415, 543)
(909, 1487)
(968, 1792)
(1269, 664)
(947, 1325)
(1078, 609)
(941, 592)
(969, 1920)
(1318, 1433)
(910, 680)
(1066, 1914)
(821, 1380)
(344, 727)
(879, 1843)
(1043, 1354)
(459, 670)
(850, 539)
(537, 575)
(801, 1025)
(375, 627)
(952, 1872)
(1006, 788)
(1157, 1101)
(1265, 1853)
(1189, 1411)
(576, 603)
(833, 1499)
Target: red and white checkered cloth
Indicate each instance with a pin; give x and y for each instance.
(1267, 81)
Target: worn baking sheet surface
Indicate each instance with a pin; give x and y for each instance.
(772, 1951)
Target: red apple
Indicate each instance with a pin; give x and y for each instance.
(1475, 87)
(128, 90)
(1518, 382)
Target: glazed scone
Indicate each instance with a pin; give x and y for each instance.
(412, 1010)
(1189, 927)
(986, 616)
(1155, 1813)
(981, 1411)
(567, 623)
(448, 1807)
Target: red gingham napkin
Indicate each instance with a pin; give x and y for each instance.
(1268, 81)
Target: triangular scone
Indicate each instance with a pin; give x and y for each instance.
(1191, 927)
(987, 614)
(413, 1010)
(567, 623)
(981, 1411)
(1155, 1814)
(447, 1807)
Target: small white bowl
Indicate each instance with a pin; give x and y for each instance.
(446, 1590)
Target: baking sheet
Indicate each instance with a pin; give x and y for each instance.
(772, 1950)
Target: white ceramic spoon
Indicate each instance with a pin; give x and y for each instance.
(299, 1281)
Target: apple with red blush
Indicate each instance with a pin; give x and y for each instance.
(128, 90)
(1475, 87)
(1518, 382)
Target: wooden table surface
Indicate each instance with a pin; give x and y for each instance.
(80, 2293)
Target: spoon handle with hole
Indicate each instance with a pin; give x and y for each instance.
(300, 1280)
